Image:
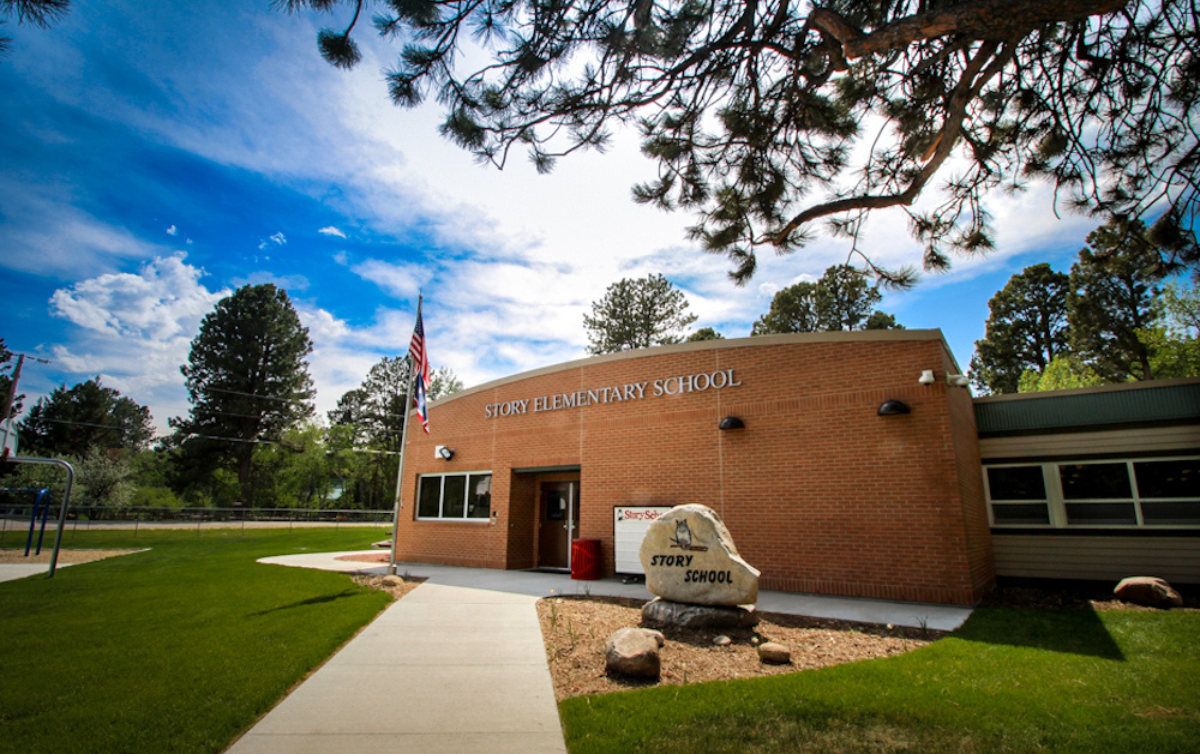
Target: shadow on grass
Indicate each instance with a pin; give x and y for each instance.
(1075, 631)
(310, 601)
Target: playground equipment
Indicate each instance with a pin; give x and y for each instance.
(37, 510)
(62, 513)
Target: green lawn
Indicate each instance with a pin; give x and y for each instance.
(1007, 681)
(177, 649)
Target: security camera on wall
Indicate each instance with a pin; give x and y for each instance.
(958, 380)
(927, 377)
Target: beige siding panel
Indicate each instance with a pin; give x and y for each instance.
(1108, 558)
(1130, 442)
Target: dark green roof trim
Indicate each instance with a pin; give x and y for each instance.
(1162, 402)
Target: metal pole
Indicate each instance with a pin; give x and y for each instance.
(408, 399)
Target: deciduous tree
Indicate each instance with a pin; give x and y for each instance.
(766, 117)
(6, 356)
(71, 421)
(637, 313)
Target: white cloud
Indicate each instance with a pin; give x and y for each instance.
(332, 231)
(135, 330)
(47, 235)
(279, 239)
(172, 231)
(399, 280)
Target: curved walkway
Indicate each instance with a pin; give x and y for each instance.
(458, 664)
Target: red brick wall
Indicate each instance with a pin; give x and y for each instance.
(819, 492)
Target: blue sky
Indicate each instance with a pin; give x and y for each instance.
(157, 156)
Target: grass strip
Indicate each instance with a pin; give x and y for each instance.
(1008, 681)
(176, 649)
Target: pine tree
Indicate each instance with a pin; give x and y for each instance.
(247, 379)
(1026, 330)
(767, 117)
(1113, 287)
(637, 313)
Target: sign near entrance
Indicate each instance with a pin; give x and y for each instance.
(630, 391)
(689, 557)
(630, 523)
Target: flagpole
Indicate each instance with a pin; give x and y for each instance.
(408, 397)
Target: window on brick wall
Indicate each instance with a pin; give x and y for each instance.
(455, 497)
(1150, 492)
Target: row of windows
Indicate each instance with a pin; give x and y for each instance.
(1141, 492)
(455, 497)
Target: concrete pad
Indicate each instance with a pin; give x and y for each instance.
(536, 584)
(14, 571)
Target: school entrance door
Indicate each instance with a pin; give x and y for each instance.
(558, 523)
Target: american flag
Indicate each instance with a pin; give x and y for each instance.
(420, 365)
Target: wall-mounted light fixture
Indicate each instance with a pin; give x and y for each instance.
(731, 422)
(958, 380)
(927, 377)
(893, 408)
(445, 453)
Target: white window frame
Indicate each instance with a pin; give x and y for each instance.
(1056, 503)
(464, 518)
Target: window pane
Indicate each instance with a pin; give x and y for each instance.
(1168, 478)
(1089, 481)
(1101, 513)
(479, 496)
(1016, 483)
(427, 503)
(1021, 513)
(1165, 514)
(454, 497)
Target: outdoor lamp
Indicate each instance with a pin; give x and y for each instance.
(893, 408)
(445, 453)
(731, 422)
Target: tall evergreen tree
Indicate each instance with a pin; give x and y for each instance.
(247, 379)
(1026, 330)
(637, 313)
(1113, 286)
(72, 421)
(767, 117)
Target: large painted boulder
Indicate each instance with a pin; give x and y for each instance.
(689, 557)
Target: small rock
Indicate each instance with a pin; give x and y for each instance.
(632, 652)
(722, 640)
(755, 640)
(393, 581)
(774, 654)
(1147, 590)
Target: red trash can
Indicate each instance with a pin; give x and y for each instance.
(585, 560)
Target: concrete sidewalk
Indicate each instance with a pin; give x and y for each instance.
(458, 664)
(446, 669)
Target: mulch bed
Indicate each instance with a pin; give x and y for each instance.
(576, 629)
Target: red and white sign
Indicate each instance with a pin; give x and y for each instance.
(629, 528)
